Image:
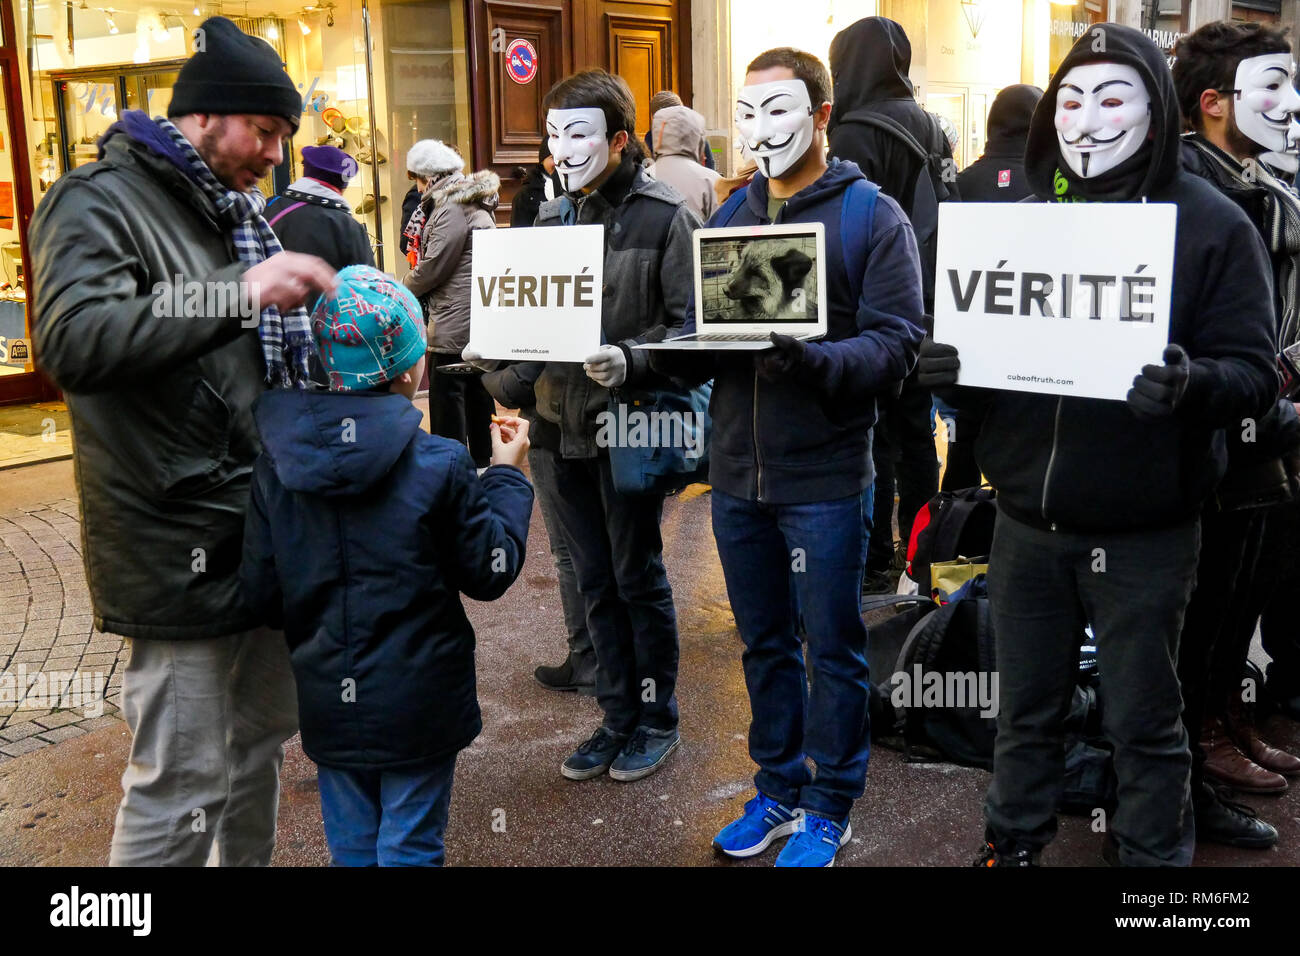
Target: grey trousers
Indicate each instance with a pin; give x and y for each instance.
(208, 722)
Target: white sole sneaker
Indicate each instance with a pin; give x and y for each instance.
(626, 776)
(848, 835)
(778, 831)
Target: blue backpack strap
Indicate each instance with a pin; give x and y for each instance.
(856, 215)
(727, 210)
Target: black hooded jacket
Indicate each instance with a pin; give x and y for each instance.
(1085, 464)
(999, 175)
(869, 64)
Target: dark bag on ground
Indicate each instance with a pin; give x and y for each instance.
(951, 525)
(938, 699)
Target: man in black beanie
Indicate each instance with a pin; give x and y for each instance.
(163, 307)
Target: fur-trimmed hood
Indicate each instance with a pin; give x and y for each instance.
(479, 188)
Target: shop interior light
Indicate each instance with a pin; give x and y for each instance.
(112, 25)
(272, 32)
(302, 25)
(197, 12)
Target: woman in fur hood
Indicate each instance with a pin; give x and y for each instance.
(452, 205)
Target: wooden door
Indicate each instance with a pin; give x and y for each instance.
(647, 42)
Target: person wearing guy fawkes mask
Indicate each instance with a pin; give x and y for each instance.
(1283, 163)
(1077, 474)
(791, 467)
(613, 539)
(1235, 87)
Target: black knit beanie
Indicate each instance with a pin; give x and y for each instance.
(232, 72)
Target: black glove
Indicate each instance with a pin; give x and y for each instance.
(780, 362)
(938, 364)
(1158, 390)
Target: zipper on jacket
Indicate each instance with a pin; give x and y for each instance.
(758, 454)
(1051, 460)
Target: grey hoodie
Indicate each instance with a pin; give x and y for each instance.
(453, 208)
(677, 139)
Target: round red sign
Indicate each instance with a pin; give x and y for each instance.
(521, 61)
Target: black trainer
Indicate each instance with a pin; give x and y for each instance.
(989, 856)
(592, 758)
(1221, 820)
(563, 678)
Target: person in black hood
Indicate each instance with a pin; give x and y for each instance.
(870, 60)
(535, 191)
(999, 175)
(1098, 500)
(1230, 130)
(869, 64)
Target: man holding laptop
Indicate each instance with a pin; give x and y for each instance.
(791, 454)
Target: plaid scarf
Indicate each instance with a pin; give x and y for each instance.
(241, 214)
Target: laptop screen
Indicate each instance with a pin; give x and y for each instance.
(768, 275)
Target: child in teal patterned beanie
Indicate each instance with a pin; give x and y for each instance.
(368, 332)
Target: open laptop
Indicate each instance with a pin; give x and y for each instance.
(754, 280)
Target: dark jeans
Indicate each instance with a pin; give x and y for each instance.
(542, 463)
(1043, 587)
(904, 454)
(617, 557)
(816, 551)
(1211, 651)
(461, 409)
(386, 817)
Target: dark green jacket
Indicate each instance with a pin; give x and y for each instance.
(161, 404)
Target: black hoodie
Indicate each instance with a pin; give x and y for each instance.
(869, 64)
(999, 175)
(1086, 464)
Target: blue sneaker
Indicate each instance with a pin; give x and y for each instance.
(763, 821)
(815, 842)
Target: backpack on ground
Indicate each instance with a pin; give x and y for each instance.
(930, 189)
(951, 525)
(938, 701)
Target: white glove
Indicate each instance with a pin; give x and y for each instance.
(474, 358)
(608, 367)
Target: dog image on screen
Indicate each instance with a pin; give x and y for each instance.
(774, 279)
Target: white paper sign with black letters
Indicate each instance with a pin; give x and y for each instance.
(536, 293)
(1065, 299)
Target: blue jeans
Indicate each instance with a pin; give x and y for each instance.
(774, 558)
(386, 817)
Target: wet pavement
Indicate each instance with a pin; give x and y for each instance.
(510, 805)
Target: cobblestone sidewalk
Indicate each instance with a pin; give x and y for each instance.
(59, 677)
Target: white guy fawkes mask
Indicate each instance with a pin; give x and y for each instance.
(579, 144)
(1289, 161)
(1103, 112)
(1266, 98)
(775, 122)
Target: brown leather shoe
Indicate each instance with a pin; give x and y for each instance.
(1225, 763)
(1245, 735)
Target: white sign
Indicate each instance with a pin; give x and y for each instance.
(537, 293)
(1067, 299)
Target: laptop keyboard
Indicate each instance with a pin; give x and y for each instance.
(724, 337)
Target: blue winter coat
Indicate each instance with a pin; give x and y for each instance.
(362, 533)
